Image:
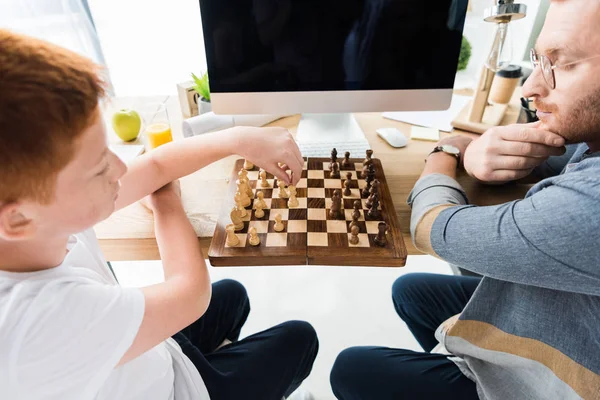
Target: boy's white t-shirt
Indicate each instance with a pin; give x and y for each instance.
(63, 331)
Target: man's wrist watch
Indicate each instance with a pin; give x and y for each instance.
(448, 149)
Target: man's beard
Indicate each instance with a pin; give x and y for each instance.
(582, 123)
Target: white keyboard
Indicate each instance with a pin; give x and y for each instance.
(357, 148)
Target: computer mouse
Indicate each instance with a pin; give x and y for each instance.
(392, 136)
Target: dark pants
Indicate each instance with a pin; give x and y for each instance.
(266, 366)
(423, 301)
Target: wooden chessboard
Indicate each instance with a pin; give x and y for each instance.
(310, 235)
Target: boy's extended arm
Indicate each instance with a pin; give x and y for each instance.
(265, 147)
(185, 294)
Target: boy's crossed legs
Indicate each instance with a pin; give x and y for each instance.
(268, 365)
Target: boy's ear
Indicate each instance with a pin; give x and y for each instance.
(14, 224)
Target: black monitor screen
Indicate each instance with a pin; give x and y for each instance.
(320, 45)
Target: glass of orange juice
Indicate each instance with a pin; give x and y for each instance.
(157, 128)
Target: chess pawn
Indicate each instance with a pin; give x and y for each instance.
(238, 202)
(259, 213)
(354, 235)
(367, 189)
(355, 214)
(282, 192)
(248, 165)
(333, 158)
(366, 163)
(335, 170)
(347, 183)
(374, 210)
(254, 240)
(293, 201)
(263, 179)
(381, 239)
(232, 239)
(374, 190)
(238, 224)
(260, 200)
(279, 227)
(346, 162)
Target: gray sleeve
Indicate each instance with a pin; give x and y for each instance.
(431, 191)
(549, 239)
(554, 165)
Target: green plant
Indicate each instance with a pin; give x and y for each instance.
(201, 86)
(465, 54)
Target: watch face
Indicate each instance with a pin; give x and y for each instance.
(448, 148)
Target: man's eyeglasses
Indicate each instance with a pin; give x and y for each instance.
(547, 67)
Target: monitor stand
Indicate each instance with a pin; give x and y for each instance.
(318, 134)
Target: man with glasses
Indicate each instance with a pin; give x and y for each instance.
(529, 329)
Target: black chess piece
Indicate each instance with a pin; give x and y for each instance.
(374, 190)
(336, 205)
(354, 235)
(381, 239)
(335, 170)
(355, 214)
(369, 179)
(347, 183)
(366, 163)
(346, 162)
(374, 210)
(333, 158)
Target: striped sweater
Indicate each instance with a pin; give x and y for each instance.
(532, 328)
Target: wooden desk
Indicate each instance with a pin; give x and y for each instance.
(129, 233)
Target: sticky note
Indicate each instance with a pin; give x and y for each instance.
(422, 133)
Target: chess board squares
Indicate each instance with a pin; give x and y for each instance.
(302, 183)
(333, 183)
(358, 167)
(277, 203)
(276, 239)
(316, 193)
(302, 203)
(372, 226)
(261, 226)
(340, 217)
(316, 226)
(315, 183)
(329, 201)
(348, 214)
(257, 184)
(296, 226)
(348, 203)
(316, 203)
(354, 194)
(337, 240)
(336, 226)
(363, 240)
(284, 212)
(317, 239)
(243, 237)
(317, 214)
(312, 174)
(297, 214)
(253, 175)
(329, 193)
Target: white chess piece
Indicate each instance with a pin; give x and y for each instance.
(248, 165)
(238, 224)
(293, 201)
(254, 240)
(263, 179)
(232, 239)
(238, 202)
(244, 199)
(260, 200)
(282, 192)
(278, 223)
(259, 213)
(243, 177)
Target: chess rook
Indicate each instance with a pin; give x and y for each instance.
(232, 239)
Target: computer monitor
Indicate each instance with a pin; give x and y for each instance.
(331, 56)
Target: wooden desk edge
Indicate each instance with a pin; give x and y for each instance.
(147, 249)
